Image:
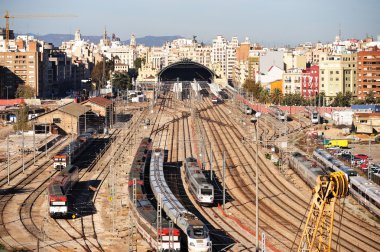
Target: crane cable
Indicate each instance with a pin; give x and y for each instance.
(303, 219)
(340, 223)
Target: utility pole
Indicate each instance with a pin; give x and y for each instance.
(23, 151)
(8, 158)
(224, 178)
(211, 157)
(45, 140)
(34, 142)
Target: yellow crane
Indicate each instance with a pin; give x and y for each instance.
(317, 233)
(7, 17)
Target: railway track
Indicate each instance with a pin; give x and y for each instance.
(284, 188)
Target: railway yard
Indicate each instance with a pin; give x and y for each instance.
(221, 137)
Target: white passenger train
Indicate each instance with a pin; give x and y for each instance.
(277, 113)
(197, 233)
(367, 193)
(202, 190)
(312, 114)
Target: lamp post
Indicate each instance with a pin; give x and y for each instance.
(255, 121)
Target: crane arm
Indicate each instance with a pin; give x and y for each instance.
(317, 233)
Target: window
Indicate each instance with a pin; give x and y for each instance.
(331, 72)
(337, 72)
(337, 79)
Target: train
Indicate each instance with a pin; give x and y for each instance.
(306, 168)
(333, 164)
(59, 191)
(312, 114)
(366, 193)
(277, 113)
(199, 186)
(248, 110)
(197, 233)
(215, 99)
(70, 152)
(168, 238)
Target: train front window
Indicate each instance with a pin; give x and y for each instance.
(197, 232)
(206, 191)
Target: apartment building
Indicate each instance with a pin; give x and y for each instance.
(292, 60)
(20, 67)
(368, 73)
(310, 82)
(337, 74)
(218, 52)
(292, 81)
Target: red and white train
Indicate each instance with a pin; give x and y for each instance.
(59, 190)
(72, 150)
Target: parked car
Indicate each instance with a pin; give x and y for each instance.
(361, 156)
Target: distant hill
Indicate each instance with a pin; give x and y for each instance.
(57, 39)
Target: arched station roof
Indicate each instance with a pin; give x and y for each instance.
(186, 70)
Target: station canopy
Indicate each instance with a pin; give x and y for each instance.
(186, 70)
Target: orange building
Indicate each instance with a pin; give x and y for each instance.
(368, 73)
(276, 84)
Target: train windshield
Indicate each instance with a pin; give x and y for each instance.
(197, 232)
(315, 115)
(206, 191)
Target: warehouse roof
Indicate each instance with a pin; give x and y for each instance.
(101, 101)
(74, 109)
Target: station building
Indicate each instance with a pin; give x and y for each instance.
(72, 118)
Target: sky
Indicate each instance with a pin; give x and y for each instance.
(270, 22)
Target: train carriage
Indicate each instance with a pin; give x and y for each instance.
(277, 113)
(72, 150)
(197, 233)
(199, 186)
(59, 190)
(168, 238)
(367, 193)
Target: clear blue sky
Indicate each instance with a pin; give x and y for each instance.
(273, 22)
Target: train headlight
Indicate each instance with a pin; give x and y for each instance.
(192, 244)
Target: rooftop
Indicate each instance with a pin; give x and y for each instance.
(101, 101)
(74, 109)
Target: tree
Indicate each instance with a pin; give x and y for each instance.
(370, 98)
(264, 96)
(138, 62)
(121, 81)
(25, 91)
(342, 100)
(22, 118)
(293, 100)
(97, 72)
(253, 87)
(276, 96)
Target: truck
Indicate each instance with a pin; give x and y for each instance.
(342, 143)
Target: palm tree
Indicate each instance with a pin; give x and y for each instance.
(264, 96)
(276, 96)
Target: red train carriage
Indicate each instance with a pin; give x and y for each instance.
(58, 190)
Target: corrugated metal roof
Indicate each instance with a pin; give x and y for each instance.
(74, 109)
(101, 101)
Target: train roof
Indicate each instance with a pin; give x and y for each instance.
(366, 186)
(194, 170)
(311, 165)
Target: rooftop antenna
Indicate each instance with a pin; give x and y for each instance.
(340, 32)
